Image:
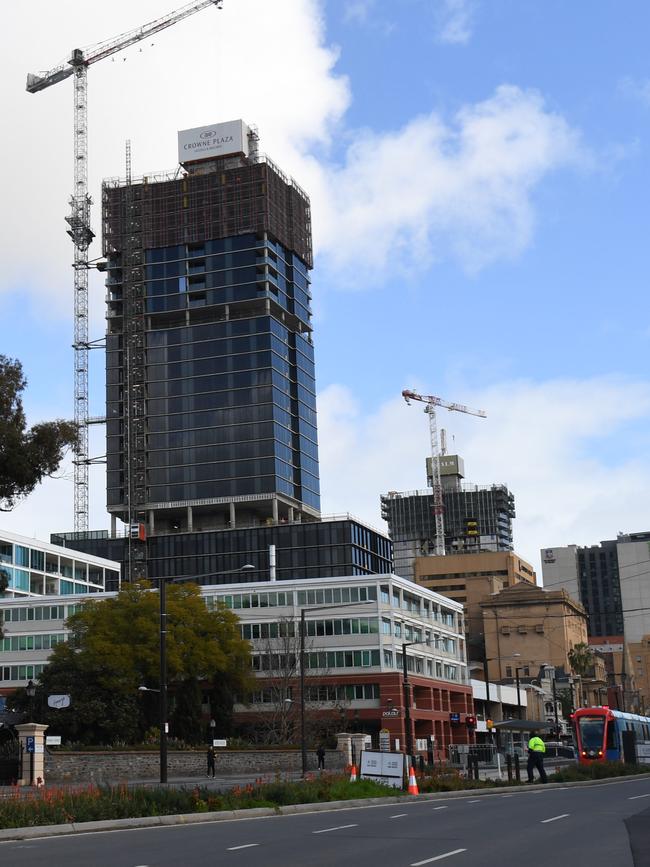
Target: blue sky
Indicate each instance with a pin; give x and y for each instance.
(478, 172)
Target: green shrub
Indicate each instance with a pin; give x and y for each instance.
(597, 771)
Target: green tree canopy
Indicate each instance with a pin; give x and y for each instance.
(581, 659)
(26, 454)
(114, 649)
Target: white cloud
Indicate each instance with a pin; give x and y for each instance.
(454, 21)
(558, 445)
(435, 190)
(265, 62)
(428, 191)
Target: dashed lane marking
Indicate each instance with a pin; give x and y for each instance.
(441, 808)
(337, 828)
(244, 846)
(634, 797)
(555, 818)
(438, 857)
(398, 815)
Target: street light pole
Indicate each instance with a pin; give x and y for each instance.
(517, 670)
(303, 736)
(163, 679)
(407, 702)
(164, 725)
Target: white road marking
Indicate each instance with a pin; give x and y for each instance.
(506, 796)
(475, 801)
(438, 857)
(338, 828)
(634, 797)
(398, 815)
(440, 808)
(245, 846)
(555, 818)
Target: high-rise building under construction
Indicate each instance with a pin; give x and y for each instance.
(210, 386)
(211, 407)
(477, 518)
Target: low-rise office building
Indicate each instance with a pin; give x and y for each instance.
(356, 632)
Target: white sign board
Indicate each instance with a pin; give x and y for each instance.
(386, 768)
(58, 701)
(220, 742)
(52, 740)
(209, 142)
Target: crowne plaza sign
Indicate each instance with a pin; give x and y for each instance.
(209, 142)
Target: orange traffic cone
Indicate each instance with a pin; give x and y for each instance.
(353, 774)
(413, 785)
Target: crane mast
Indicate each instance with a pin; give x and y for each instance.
(431, 402)
(79, 219)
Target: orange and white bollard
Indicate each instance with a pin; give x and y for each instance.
(413, 783)
(353, 774)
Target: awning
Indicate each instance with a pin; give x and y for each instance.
(522, 725)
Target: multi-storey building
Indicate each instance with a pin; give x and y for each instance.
(471, 579)
(356, 631)
(35, 568)
(44, 583)
(210, 382)
(476, 518)
(526, 627)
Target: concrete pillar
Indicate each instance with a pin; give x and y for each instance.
(359, 742)
(274, 506)
(290, 514)
(344, 745)
(190, 519)
(232, 515)
(32, 741)
(152, 522)
(113, 526)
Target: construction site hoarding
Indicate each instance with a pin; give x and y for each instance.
(210, 142)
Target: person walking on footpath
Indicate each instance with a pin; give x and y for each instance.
(211, 758)
(320, 755)
(536, 750)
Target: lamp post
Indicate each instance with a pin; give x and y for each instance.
(164, 725)
(30, 689)
(303, 737)
(407, 698)
(517, 670)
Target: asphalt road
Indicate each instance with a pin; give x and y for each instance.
(570, 827)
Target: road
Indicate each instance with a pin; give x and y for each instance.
(558, 827)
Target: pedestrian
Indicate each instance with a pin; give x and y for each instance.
(320, 754)
(211, 758)
(536, 750)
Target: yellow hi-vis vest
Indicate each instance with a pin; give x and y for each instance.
(537, 745)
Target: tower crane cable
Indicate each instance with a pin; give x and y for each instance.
(79, 219)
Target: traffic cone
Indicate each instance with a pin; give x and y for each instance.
(413, 783)
(353, 774)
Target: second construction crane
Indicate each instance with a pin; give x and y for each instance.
(79, 219)
(431, 402)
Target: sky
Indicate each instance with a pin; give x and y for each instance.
(478, 171)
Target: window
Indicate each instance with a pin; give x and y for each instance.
(508, 671)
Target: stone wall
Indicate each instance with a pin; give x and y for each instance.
(114, 767)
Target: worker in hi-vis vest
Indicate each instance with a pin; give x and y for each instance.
(536, 750)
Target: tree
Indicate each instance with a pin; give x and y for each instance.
(114, 649)
(581, 659)
(27, 455)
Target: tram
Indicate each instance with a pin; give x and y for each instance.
(599, 734)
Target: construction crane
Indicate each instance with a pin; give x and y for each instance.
(432, 402)
(79, 219)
